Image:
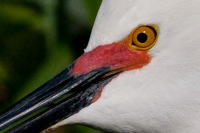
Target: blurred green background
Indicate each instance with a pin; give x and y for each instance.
(38, 39)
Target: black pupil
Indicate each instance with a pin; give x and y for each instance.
(142, 37)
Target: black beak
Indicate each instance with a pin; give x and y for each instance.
(56, 100)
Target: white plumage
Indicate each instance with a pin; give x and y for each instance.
(163, 96)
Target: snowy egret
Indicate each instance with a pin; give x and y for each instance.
(140, 73)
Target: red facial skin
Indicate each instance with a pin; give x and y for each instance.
(116, 56)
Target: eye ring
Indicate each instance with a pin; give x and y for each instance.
(143, 37)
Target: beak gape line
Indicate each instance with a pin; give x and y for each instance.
(56, 100)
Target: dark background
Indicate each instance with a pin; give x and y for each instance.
(38, 39)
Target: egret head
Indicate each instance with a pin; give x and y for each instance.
(162, 96)
(140, 72)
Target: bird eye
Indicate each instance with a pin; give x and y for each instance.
(143, 37)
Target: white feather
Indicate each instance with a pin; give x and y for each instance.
(164, 96)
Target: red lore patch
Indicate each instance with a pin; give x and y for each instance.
(116, 56)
